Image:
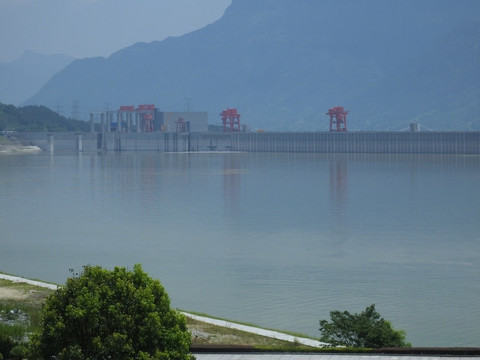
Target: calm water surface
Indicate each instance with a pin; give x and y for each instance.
(277, 240)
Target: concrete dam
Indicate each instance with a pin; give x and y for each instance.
(408, 142)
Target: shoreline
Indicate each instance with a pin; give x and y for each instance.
(223, 323)
(220, 351)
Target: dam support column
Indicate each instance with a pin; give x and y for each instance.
(79, 142)
(92, 118)
(102, 122)
(109, 121)
(50, 143)
(129, 121)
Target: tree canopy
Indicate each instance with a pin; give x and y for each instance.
(119, 314)
(367, 329)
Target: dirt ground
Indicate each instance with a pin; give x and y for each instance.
(12, 294)
(26, 291)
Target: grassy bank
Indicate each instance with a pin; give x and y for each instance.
(20, 308)
(294, 334)
(205, 334)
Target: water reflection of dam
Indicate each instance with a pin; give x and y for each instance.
(414, 142)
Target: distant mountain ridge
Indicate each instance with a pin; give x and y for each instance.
(22, 78)
(283, 63)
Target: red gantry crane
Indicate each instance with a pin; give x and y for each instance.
(146, 114)
(338, 119)
(231, 120)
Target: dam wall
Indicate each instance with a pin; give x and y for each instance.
(361, 142)
(451, 142)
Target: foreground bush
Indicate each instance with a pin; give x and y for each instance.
(6, 344)
(18, 352)
(119, 314)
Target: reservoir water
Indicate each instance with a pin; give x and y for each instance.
(276, 240)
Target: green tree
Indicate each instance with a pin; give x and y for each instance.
(119, 314)
(367, 329)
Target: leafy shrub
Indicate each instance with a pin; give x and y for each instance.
(6, 344)
(366, 330)
(18, 352)
(115, 314)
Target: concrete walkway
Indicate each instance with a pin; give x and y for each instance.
(258, 331)
(28, 281)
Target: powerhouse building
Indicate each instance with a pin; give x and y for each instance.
(147, 118)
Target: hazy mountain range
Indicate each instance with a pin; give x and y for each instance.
(283, 63)
(22, 78)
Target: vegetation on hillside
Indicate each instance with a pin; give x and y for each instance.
(38, 119)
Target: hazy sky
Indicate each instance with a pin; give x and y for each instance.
(87, 28)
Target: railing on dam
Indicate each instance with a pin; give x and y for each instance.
(453, 142)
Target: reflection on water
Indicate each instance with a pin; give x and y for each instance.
(273, 239)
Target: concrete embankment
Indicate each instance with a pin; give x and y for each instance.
(28, 281)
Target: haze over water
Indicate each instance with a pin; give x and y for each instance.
(277, 240)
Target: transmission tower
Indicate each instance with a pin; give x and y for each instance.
(75, 112)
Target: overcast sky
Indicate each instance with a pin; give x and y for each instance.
(88, 28)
